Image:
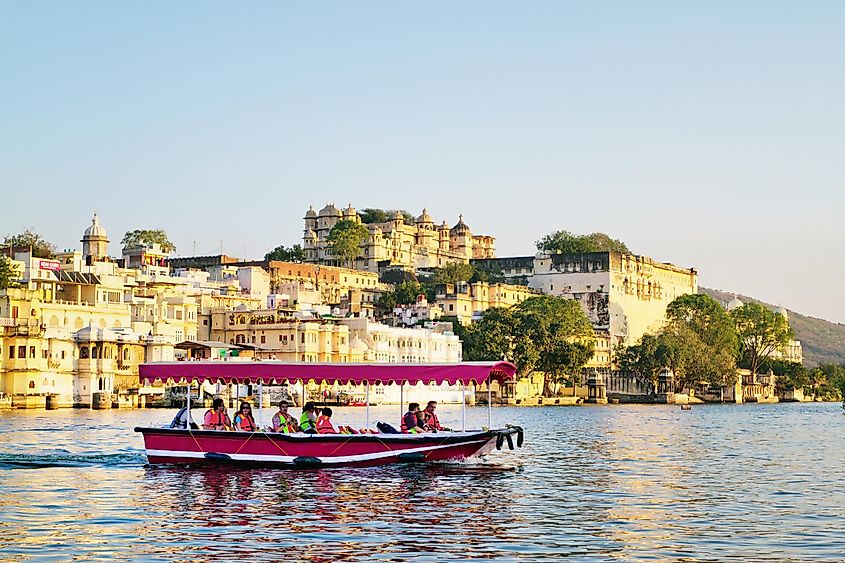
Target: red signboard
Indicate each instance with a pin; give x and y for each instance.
(49, 265)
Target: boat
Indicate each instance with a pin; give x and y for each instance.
(265, 448)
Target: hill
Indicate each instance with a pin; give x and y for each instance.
(823, 341)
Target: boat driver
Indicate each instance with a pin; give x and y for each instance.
(216, 418)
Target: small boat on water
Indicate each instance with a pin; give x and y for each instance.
(265, 448)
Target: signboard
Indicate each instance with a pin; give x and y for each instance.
(49, 265)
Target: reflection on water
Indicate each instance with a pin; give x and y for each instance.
(622, 482)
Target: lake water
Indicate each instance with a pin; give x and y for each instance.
(749, 482)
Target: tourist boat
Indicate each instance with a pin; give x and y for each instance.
(262, 448)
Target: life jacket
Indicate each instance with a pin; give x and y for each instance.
(431, 421)
(404, 427)
(305, 422)
(285, 425)
(247, 423)
(221, 418)
(324, 425)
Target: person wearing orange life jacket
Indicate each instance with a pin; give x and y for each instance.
(430, 420)
(216, 418)
(284, 422)
(324, 422)
(412, 421)
(244, 420)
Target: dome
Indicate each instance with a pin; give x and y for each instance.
(782, 312)
(398, 216)
(310, 214)
(425, 217)
(735, 302)
(349, 211)
(460, 228)
(356, 345)
(95, 230)
(330, 211)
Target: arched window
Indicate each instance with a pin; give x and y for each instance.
(100, 380)
(83, 353)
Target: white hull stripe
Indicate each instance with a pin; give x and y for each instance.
(327, 459)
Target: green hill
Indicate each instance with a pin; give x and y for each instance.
(823, 341)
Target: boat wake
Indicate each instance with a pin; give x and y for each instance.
(66, 459)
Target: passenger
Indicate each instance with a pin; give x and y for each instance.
(216, 418)
(324, 422)
(430, 420)
(308, 419)
(244, 420)
(183, 419)
(284, 422)
(412, 422)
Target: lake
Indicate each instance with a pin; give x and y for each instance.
(626, 482)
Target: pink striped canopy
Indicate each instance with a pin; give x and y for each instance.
(269, 371)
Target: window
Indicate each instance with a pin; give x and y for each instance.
(263, 339)
(63, 354)
(11, 352)
(43, 354)
(22, 352)
(302, 340)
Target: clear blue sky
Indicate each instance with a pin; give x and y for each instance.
(706, 134)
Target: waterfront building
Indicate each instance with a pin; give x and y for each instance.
(623, 294)
(468, 301)
(396, 243)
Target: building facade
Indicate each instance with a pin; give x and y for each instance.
(396, 243)
(624, 295)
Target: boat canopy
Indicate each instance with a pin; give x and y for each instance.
(269, 371)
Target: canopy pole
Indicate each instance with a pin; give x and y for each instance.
(489, 404)
(368, 406)
(401, 399)
(260, 402)
(303, 394)
(188, 405)
(463, 407)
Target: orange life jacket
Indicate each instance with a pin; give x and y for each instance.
(247, 423)
(431, 420)
(324, 425)
(222, 419)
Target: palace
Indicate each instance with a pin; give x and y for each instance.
(396, 243)
(623, 295)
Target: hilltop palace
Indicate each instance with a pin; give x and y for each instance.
(396, 243)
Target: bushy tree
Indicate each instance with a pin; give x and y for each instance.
(404, 293)
(454, 273)
(40, 247)
(761, 333)
(344, 240)
(375, 215)
(543, 333)
(564, 242)
(148, 237)
(285, 254)
(8, 274)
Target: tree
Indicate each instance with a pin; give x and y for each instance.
(642, 359)
(704, 316)
(761, 333)
(344, 240)
(405, 292)
(148, 237)
(564, 242)
(285, 254)
(8, 273)
(543, 333)
(376, 215)
(455, 272)
(40, 247)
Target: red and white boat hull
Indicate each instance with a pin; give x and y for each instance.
(175, 446)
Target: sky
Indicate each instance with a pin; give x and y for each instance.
(709, 135)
